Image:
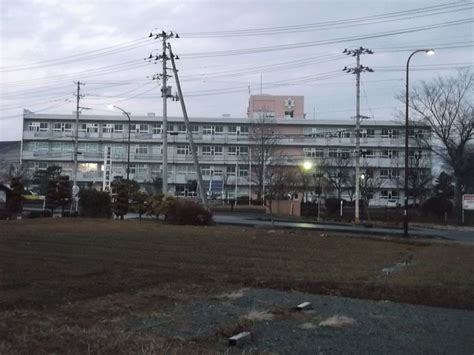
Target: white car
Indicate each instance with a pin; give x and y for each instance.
(392, 203)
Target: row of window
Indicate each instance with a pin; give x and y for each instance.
(137, 128)
(391, 133)
(311, 152)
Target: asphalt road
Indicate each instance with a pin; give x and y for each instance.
(256, 220)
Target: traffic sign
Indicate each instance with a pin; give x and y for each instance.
(75, 190)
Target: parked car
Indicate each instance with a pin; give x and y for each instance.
(392, 203)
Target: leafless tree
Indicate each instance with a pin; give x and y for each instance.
(338, 172)
(264, 139)
(281, 180)
(446, 106)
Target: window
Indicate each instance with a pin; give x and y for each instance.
(238, 150)
(107, 128)
(211, 130)
(141, 149)
(139, 128)
(206, 170)
(182, 128)
(62, 127)
(344, 153)
(389, 174)
(239, 130)
(368, 153)
(118, 128)
(332, 153)
(243, 170)
(390, 133)
(56, 147)
(212, 150)
(370, 133)
(43, 127)
(218, 172)
(313, 152)
(231, 170)
(88, 147)
(156, 129)
(89, 127)
(183, 150)
(313, 132)
(138, 169)
(33, 126)
(289, 114)
(344, 134)
(42, 146)
(388, 153)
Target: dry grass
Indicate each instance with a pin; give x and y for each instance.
(78, 279)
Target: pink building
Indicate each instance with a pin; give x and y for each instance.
(276, 106)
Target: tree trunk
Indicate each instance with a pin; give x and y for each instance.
(458, 198)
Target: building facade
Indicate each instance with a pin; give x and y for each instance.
(276, 106)
(224, 151)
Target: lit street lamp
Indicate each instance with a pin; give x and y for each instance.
(405, 211)
(129, 123)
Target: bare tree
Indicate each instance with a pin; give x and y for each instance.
(281, 180)
(337, 171)
(263, 139)
(445, 105)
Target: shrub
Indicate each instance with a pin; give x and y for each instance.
(95, 204)
(181, 211)
(333, 205)
(437, 206)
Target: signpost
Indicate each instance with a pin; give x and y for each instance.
(467, 204)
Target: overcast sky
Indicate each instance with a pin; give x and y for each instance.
(48, 44)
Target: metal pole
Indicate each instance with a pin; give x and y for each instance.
(405, 209)
(190, 134)
(76, 138)
(128, 153)
(357, 156)
(236, 182)
(165, 121)
(250, 176)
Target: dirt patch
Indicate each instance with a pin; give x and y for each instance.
(117, 286)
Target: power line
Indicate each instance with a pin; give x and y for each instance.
(348, 22)
(324, 42)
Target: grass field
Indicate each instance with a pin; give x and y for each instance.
(74, 279)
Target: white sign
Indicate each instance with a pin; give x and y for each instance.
(75, 190)
(468, 202)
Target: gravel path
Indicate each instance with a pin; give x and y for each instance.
(335, 325)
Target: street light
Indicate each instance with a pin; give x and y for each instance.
(129, 123)
(405, 211)
(307, 165)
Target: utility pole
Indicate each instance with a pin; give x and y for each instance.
(75, 188)
(165, 94)
(189, 131)
(357, 70)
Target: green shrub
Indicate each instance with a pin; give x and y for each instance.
(95, 204)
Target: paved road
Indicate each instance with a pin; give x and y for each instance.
(253, 220)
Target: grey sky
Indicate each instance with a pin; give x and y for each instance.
(42, 30)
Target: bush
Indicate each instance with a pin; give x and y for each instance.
(437, 206)
(333, 205)
(180, 211)
(95, 204)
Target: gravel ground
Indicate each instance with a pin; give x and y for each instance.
(334, 325)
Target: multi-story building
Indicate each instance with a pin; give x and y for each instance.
(224, 146)
(276, 106)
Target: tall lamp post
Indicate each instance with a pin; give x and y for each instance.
(128, 150)
(405, 211)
